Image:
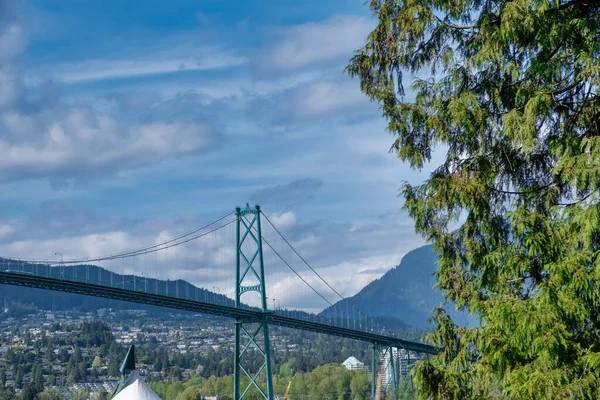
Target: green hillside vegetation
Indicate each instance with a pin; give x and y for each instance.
(329, 381)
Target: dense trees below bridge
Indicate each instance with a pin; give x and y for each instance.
(330, 381)
(89, 351)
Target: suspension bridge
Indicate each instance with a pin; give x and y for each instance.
(237, 257)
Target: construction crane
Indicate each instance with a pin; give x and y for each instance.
(287, 391)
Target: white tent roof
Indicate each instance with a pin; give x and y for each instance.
(352, 362)
(136, 389)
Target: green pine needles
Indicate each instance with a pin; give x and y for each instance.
(510, 89)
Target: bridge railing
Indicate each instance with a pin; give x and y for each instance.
(342, 316)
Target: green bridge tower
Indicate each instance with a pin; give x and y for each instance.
(250, 277)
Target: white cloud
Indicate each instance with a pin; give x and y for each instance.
(287, 195)
(283, 220)
(349, 277)
(325, 98)
(86, 246)
(13, 41)
(6, 230)
(308, 240)
(11, 88)
(77, 143)
(194, 260)
(240, 87)
(309, 43)
(98, 70)
(319, 100)
(63, 139)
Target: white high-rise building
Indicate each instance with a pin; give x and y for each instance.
(403, 360)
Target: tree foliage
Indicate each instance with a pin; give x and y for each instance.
(329, 381)
(509, 90)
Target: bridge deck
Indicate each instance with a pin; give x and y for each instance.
(89, 289)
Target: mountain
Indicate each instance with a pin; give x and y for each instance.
(404, 293)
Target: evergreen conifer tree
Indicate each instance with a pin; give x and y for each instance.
(508, 91)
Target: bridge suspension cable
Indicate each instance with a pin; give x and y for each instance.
(314, 271)
(302, 258)
(295, 272)
(179, 240)
(142, 250)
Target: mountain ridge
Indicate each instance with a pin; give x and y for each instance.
(405, 292)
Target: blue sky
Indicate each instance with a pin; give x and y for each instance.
(125, 122)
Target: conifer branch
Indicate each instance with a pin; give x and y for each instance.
(460, 27)
(574, 203)
(521, 193)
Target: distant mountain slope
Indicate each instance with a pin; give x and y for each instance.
(404, 292)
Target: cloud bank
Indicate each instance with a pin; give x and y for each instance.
(314, 42)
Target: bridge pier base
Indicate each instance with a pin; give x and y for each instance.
(250, 333)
